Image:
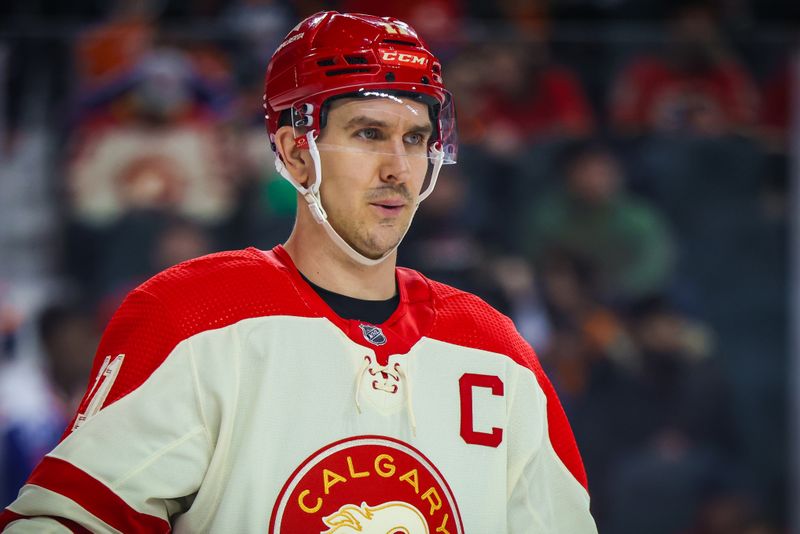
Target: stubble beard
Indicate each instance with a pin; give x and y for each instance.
(366, 234)
(369, 238)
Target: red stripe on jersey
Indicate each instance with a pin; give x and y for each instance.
(7, 517)
(95, 497)
(466, 320)
(73, 526)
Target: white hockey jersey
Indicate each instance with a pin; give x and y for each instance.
(227, 397)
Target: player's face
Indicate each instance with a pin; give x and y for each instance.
(373, 154)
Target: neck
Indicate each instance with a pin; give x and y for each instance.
(322, 262)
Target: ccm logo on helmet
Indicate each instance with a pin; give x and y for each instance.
(290, 40)
(406, 59)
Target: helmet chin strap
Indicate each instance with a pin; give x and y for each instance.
(313, 199)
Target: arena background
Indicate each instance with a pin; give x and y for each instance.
(624, 193)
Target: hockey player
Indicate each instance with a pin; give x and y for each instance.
(316, 387)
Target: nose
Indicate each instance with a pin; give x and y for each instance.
(395, 164)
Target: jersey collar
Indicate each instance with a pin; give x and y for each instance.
(410, 322)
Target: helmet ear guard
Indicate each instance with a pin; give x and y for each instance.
(304, 116)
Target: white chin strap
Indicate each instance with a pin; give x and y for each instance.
(312, 196)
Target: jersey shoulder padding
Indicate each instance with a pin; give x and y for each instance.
(203, 294)
(466, 320)
(223, 288)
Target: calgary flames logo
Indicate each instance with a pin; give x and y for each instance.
(388, 518)
(400, 491)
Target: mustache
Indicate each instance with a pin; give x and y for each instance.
(389, 191)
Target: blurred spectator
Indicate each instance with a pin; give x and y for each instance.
(138, 246)
(591, 216)
(152, 150)
(679, 383)
(111, 49)
(259, 26)
(265, 202)
(530, 97)
(518, 283)
(570, 291)
(696, 86)
(671, 420)
(683, 421)
(587, 355)
(466, 74)
(38, 395)
(178, 242)
(438, 21)
(153, 146)
(526, 16)
(442, 240)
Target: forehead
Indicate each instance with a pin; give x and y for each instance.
(384, 107)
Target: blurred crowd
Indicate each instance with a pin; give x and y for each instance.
(621, 193)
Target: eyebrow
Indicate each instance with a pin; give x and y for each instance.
(363, 120)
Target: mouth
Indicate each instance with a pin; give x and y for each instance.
(388, 207)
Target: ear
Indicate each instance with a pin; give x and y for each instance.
(296, 160)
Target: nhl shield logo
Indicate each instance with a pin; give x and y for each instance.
(373, 334)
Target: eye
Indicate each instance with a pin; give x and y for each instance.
(414, 139)
(370, 134)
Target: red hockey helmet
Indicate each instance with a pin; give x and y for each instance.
(334, 54)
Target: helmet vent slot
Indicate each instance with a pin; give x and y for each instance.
(327, 62)
(400, 42)
(356, 60)
(354, 70)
